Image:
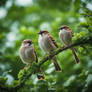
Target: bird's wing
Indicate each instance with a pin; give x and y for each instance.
(53, 40)
(71, 32)
(35, 55)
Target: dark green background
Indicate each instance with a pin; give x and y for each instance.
(19, 21)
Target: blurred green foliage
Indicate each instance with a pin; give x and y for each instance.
(22, 21)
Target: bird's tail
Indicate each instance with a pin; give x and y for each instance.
(57, 67)
(75, 55)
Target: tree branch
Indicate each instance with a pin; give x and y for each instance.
(85, 41)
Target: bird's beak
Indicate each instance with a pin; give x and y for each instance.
(39, 32)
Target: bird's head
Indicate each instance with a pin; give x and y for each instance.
(27, 42)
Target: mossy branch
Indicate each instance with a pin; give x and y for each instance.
(85, 41)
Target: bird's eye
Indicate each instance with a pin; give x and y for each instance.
(62, 28)
(29, 43)
(40, 32)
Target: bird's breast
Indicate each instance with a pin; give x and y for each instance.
(65, 36)
(43, 43)
(27, 55)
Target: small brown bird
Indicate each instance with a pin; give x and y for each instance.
(28, 54)
(65, 36)
(48, 44)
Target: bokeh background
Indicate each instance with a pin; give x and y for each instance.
(22, 19)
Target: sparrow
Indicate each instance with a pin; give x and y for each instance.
(65, 36)
(28, 54)
(48, 45)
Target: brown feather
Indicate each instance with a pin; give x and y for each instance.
(75, 55)
(53, 40)
(35, 55)
(52, 45)
(67, 28)
(57, 67)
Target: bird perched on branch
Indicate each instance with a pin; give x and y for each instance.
(48, 44)
(28, 54)
(65, 36)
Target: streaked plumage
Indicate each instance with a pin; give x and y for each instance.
(65, 36)
(28, 54)
(48, 44)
